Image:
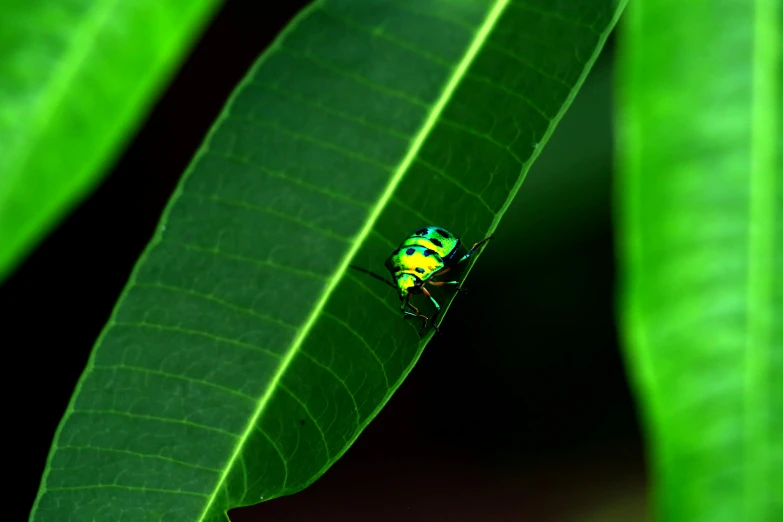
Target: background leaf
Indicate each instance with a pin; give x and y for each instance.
(701, 199)
(76, 77)
(243, 359)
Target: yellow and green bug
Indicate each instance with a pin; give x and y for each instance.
(427, 253)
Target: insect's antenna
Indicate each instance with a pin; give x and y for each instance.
(373, 274)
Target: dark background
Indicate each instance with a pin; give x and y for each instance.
(527, 415)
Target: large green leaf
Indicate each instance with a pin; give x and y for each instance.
(702, 214)
(244, 357)
(76, 76)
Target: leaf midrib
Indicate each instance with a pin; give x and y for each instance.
(413, 150)
(760, 256)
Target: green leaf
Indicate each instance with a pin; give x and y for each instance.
(702, 212)
(244, 357)
(76, 77)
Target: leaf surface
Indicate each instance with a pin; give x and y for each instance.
(76, 77)
(244, 357)
(702, 213)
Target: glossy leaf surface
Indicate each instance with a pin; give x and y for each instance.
(76, 76)
(244, 357)
(702, 210)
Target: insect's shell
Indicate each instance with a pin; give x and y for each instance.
(443, 242)
(416, 259)
(424, 253)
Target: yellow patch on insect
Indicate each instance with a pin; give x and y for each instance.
(418, 264)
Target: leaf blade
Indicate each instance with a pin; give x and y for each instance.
(67, 105)
(357, 351)
(369, 223)
(702, 281)
(766, 235)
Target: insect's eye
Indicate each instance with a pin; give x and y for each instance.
(417, 282)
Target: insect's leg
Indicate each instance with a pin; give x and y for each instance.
(407, 302)
(473, 249)
(433, 282)
(437, 309)
(406, 314)
(441, 272)
(424, 319)
(449, 283)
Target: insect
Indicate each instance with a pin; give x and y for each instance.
(427, 253)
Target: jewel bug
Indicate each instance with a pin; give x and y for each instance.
(427, 253)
